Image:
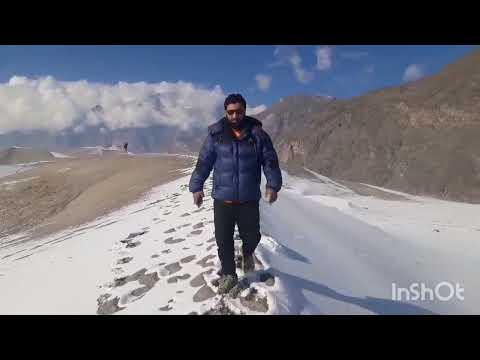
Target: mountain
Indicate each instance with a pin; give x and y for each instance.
(157, 138)
(421, 137)
(21, 155)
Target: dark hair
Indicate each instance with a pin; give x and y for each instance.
(233, 99)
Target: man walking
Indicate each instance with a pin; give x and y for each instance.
(236, 147)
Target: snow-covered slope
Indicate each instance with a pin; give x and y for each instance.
(324, 250)
(60, 156)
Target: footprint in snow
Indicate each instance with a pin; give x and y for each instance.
(174, 279)
(133, 245)
(125, 260)
(173, 268)
(188, 259)
(205, 263)
(134, 235)
(171, 240)
(210, 247)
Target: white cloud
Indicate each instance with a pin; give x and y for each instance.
(412, 72)
(48, 104)
(289, 55)
(324, 58)
(255, 110)
(263, 81)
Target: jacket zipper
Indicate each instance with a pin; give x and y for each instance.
(238, 173)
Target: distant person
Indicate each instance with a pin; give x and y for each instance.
(125, 146)
(236, 147)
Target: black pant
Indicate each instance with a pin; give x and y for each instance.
(247, 218)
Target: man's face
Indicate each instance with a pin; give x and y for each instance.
(235, 114)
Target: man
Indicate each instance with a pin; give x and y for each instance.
(236, 148)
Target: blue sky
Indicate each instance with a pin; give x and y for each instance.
(340, 71)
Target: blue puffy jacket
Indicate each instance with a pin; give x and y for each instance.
(237, 163)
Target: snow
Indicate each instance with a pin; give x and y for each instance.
(346, 251)
(331, 252)
(59, 155)
(6, 170)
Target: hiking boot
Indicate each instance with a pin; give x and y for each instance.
(227, 283)
(248, 264)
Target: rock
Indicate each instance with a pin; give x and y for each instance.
(133, 245)
(197, 281)
(180, 292)
(204, 293)
(211, 240)
(186, 214)
(198, 226)
(166, 251)
(187, 259)
(195, 232)
(185, 248)
(436, 230)
(169, 231)
(109, 307)
(165, 308)
(193, 313)
(184, 277)
(173, 268)
(155, 256)
(124, 260)
(134, 235)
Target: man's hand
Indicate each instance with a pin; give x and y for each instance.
(271, 195)
(198, 198)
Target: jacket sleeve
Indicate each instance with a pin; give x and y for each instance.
(270, 165)
(206, 159)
